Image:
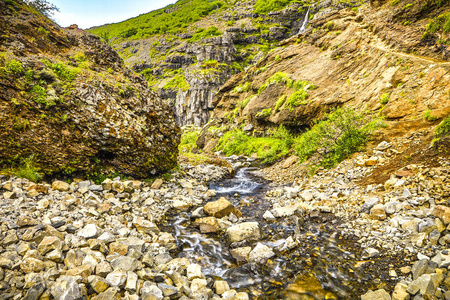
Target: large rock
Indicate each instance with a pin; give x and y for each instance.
(443, 213)
(100, 117)
(260, 254)
(66, 288)
(244, 231)
(221, 208)
(376, 295)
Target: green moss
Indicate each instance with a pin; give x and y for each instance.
(429, 117)
(12, 67)
(264, 113)
(26, 169)
(262, 88)
(443, 129)
(281, 77)
(202, 33)
(384, 99)
(242, 88)
(296, 99)
(280, 102)
(177, 82)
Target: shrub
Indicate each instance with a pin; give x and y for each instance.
(429, 117)
(334, 139)
(271, 148)
(443, 129)
(188, 141)
(384, 99)
(296, 99)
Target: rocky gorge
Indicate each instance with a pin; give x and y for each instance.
(120, 208)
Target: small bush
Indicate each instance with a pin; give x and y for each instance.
(296, 99)
(443, 129)
(334, 139)
(188, 141)
(384, 99)
(429, 117)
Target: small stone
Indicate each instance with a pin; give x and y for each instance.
(198, 284)
(145, 226)
(365, 208)
(370, 253)
(268, 216)
(157, 184)
(244, 231)
(442, 212)
(66, 288)
(241, 254)
(125, 263)
(117, 278)
(90, 231)
(194, 271)
(167, 290)
(97, 283)
(132, 282)
(119, 248)
(48, 244)
(378, 212)
(400, 292)
(260, 254)
(35, 292)
(208, 225)
(380, 294)
(60, 186)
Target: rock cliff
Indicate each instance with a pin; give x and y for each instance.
(69, 104)
(384, 59)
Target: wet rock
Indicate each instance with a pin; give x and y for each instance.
(244, 231)
(221, 208)
(208, 225)
(260, 254)
(194, 271)
(241, 254)
(221, 286)
(284, 211)
(380, 294)
(307, 286)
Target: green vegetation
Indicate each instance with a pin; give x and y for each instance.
(27, 169)
(63, 71)
(280, 77)
(332, 140)
(205, 33)
(177, 82)
(270, 148)
(12, 67)
(264, 113)
(429, 117)
(296, 99)
(443, 129)
(280, 102)
(384, 99)
(243, 88)
(266, 6)
(188, 141)
(39, 95)
(441, 22)
(177, 18)
(242, 104)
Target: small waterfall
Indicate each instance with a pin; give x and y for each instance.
(241, 184)
(305, 22)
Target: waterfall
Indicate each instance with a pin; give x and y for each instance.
(305, 22)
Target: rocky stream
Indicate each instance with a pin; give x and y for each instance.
(208, 234)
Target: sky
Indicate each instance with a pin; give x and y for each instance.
(88, 13)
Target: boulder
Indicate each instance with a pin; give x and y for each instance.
(221, 208)
(244, 231)
(380, 294)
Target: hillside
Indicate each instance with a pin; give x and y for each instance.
(189, 49)
(69, 106)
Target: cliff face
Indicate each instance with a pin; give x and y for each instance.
(370, 59)
(69, 104)
(187, 68)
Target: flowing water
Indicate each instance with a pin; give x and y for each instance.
(322, 266)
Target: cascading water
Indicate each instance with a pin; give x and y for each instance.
(321, 254)
(305, 23)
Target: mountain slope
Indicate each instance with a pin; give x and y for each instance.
(69, 105)
(187, 63)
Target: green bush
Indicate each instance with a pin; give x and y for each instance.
(443, 129)
(271, 148)
(188, 141)
(337, 137)
(296, 99)
(384, 99)
(429, 117)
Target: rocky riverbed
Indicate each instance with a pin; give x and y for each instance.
(202, 235)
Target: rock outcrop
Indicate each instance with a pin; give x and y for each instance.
(69, 104)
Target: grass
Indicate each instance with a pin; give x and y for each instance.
(202, 33)
(270, 148)
(266, 6)
(12, 67)
(188, 141)
(177, 82)
(264, 113)
(280, 102)
(27, 169)
(296, 99)
(242, 88)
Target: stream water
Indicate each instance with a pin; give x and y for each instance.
(324, 264)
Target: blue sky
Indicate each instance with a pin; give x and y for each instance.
(88, 13)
